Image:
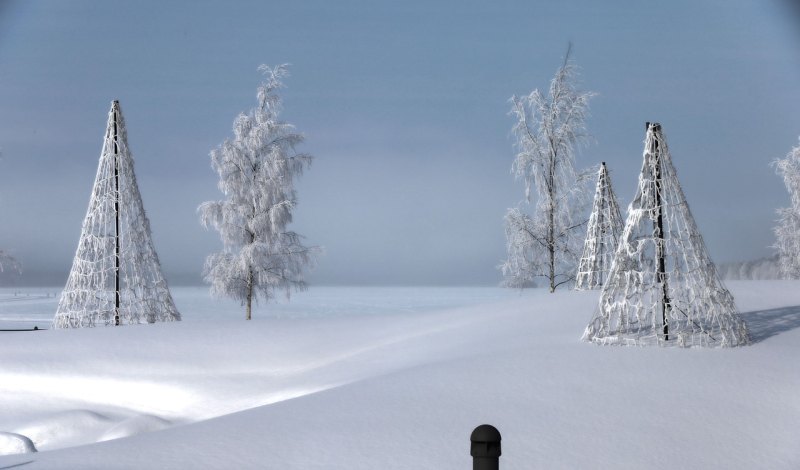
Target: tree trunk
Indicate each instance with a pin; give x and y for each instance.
(250, 272)
(552, 249)
(551, 229)
(249, 301)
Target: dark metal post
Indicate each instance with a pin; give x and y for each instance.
(485, 448)
(660, 241)
(601, 223)
(114, 111)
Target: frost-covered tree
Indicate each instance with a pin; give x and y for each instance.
(788, 229)
(757, 269)
(257, 170)
(8, 262)
(548, 130)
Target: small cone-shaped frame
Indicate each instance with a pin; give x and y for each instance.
(663, 287)
(116, 277)
(602, 235)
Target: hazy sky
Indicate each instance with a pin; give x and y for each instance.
(405, 107)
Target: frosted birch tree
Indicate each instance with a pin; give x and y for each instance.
(8, 262)
(788, 229)
(257, 170)
(548, 130)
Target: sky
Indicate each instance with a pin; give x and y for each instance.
(404, 106)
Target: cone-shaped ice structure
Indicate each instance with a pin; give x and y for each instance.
(116, 277)
(663, 288)
(602, 235)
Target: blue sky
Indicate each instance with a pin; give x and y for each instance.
(405, 107)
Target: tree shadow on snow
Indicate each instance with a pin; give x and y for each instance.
(17, 464)
(764, 324)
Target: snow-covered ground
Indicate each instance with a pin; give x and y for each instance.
(394, 378)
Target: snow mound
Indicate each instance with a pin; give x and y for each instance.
(12, 443)
(135, 425)
(65, 429)
(357, 391)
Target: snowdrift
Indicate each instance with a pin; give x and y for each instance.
(397, 379)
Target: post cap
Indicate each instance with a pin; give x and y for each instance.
(485, 441)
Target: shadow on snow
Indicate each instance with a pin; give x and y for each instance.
(17, 464)
(764, 324)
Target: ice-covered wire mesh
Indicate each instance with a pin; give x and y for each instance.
(89, 297)
(602, 235)
(663, 288)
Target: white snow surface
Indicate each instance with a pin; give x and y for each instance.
(394, 378)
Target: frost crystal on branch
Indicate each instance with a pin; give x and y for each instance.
(663, 287)
(788, 229)
(602, 235)
(548, 129)
(257, 170)
(116, 277)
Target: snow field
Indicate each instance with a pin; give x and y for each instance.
(402, 389)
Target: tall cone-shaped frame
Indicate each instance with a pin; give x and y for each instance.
(602, 235)
(663, 289)
(116, 278)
